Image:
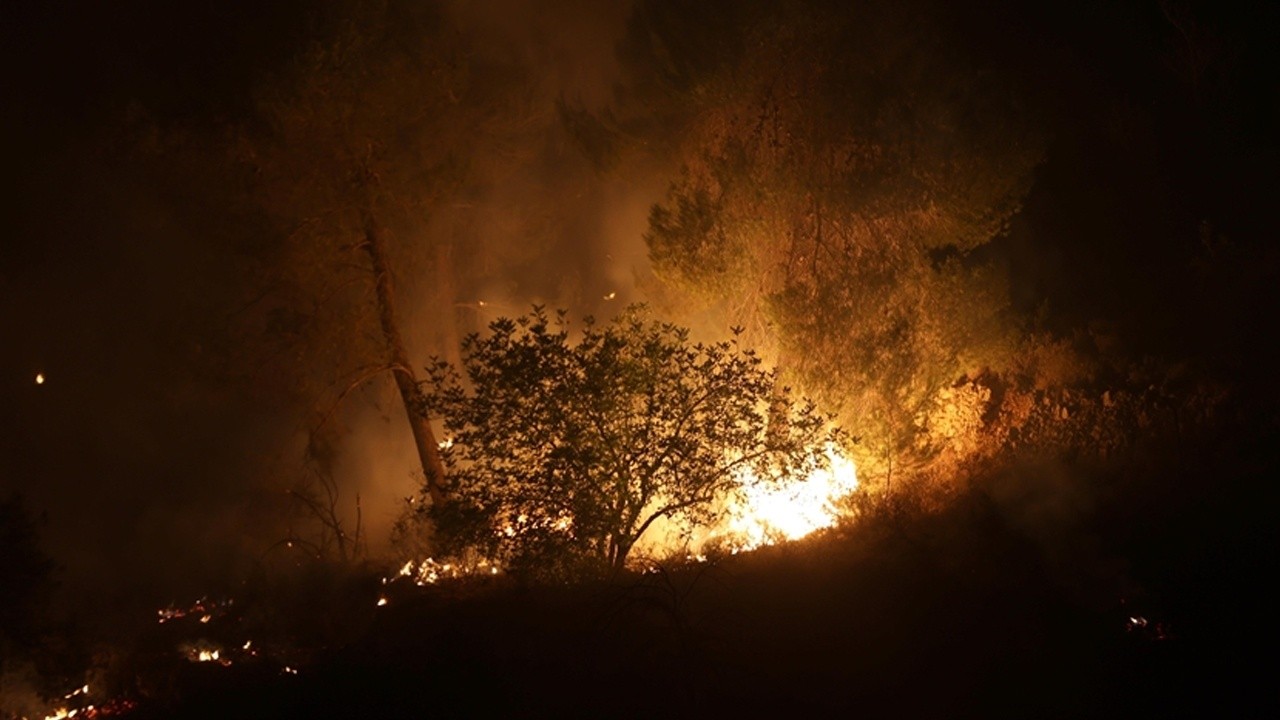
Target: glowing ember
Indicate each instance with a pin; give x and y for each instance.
(430, 571)
(1147, 629)
(204, 651)
(205, 609)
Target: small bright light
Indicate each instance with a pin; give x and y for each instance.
(39, 378)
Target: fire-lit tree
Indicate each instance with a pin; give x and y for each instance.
(564, 454)
(837, 188)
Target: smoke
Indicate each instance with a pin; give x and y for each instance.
(160, 475)
(535, 222)
(163, 472)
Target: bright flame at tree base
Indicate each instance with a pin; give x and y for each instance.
(767, 513)
(761, 513)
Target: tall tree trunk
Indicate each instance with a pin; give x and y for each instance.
(406, 380)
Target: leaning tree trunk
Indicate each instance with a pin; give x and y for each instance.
(407, 382)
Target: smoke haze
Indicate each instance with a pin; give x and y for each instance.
(158, 477)
(172, 421)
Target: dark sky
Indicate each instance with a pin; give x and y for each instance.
(147, 471)
(114, 441)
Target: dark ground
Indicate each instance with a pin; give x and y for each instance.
(1148, 603)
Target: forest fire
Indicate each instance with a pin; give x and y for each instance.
(757, 514)
(764, 513)
(760, 512)
(69, 708)
(878, 342)
(112, 708)
(207, 654)
(64, 712)
(431, 571)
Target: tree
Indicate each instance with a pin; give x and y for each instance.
(837, 190)
(564, 454)
(354, 142)
(382, 157)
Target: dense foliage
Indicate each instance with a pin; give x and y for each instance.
(836, 203)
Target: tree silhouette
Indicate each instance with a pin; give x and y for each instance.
(564, 454)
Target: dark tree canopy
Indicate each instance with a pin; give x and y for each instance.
(564, 450)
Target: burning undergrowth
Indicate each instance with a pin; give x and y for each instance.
(272, 629)
(750, 514)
